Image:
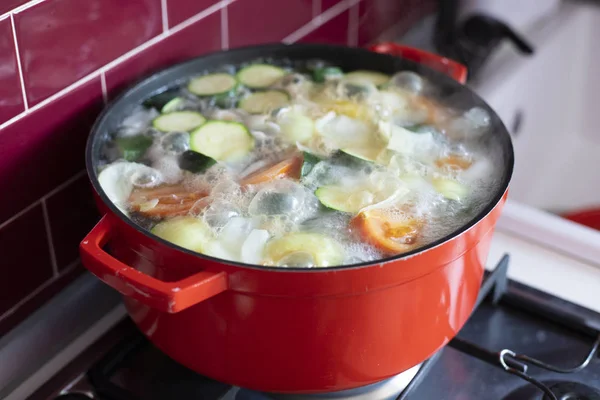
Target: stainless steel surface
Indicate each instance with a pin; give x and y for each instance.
(51, 328)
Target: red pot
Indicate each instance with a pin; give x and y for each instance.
(295, 330)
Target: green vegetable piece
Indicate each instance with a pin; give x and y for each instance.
(310, 160)
(173, 105)
(133, 147)
(226, 100)
(195, 162)
(322, 74)
(158, 101)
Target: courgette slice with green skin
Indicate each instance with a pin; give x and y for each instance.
(133, 147)
(341, 199)
(308, 163)
(179, 121)
(296, 127)
(322, 74)
(288, 249)
(159, 100)
(195, 162)
(226, 100)
(260, 76)
(363, 76)
(363, 154)
(188, 232)
(264, 102)
(173, 105)
(212, 84)
(450, 189)
(222, 140)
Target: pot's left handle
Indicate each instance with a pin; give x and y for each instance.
(168, 297)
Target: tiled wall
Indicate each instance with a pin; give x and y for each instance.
(62, 60)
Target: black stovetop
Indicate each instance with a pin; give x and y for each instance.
(519, 344)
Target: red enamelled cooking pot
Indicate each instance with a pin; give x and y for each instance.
(297, 330)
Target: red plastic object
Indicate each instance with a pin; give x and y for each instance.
(589, 218)
(433, 61)
(168, 297)
(281, 331)
(293, 330)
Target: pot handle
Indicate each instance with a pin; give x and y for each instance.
(449, 67)
(170, 297)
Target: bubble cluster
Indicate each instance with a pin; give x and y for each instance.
(433, 167)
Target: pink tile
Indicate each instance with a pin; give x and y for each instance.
(266, 21)
(327, 4)
(25, 257)
(377, 16)
(61, 41)
(7, 5)
(333, 31)
(72, 213)
(11, 97)
(180, 10)
(45, 148)
(177, 47)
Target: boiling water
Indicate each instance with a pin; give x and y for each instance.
(244, 218)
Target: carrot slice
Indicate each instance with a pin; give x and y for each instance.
(389, 235)
(453, 162)
(288, 168)
(170, 201)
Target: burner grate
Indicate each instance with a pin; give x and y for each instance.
(566, 314)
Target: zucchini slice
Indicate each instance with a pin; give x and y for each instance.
(295, 249)
(326, 73)
(308, 163)
(212, 84)
(296, 127)
(369, 154)
(159, 100)
(179, 121)
(362, 76)
(344, 199)
(133, 147)
(195, 162)
(188, 232)
(222, 140)
(173, 105)
(450, 189)
(264, 102)
(259, 76)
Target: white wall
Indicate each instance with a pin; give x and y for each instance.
(558, 89)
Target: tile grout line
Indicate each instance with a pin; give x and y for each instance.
(37, 290)
(316, 8)
(353, 25)
(19, 67)
(224, 28)
(104, 91)
(44, 197)
(22, 7)
(165, 15)
(49, 238)
(131, 53)
(319, 20)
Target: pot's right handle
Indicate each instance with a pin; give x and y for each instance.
(434, 61)
(168, 297)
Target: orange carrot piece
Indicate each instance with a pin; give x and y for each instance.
(172, 200)
(288, 168)
(453, 162)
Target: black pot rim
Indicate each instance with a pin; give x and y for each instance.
(267, 48)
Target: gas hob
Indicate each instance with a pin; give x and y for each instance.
(519, 344)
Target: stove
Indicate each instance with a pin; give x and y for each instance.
(519, 344)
